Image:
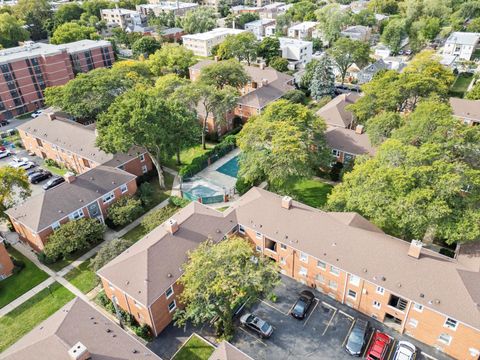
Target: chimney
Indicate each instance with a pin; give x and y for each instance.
(79, 352)
(216, 58)
(286, 202)
(70, 177)
(262, 66)
(51, 116)
(359, 129)
(172, 226)
(415, 249)
(264, 82)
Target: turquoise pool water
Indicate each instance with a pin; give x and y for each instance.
(230, 168)
(202, 191)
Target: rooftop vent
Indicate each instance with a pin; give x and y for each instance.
(359, 129)
(286, 202)
(172, 226)
(79, 352)
(70, 177)
(415, 249)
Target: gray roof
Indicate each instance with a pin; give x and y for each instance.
(74, 137)
(334, 112)
(348, 141)
(150, 266)
(448, 286)
(468, 109)
(463, 38)
(42, 210)
(77, 322)
(226, 351)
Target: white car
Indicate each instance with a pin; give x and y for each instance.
(22, 163)
(36, 114)
(405, 351)
(5, 153)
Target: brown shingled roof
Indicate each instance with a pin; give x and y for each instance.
(226, 351)
(347, 140)
(334, 112)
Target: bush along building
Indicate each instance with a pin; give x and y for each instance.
(426, 295)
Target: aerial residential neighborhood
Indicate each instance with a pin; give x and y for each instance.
(240, 180)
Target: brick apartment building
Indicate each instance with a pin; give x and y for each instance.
(6, 264)
(51, 136)
(25, 71)
(266, 85)
(84, 196)
(421, 293)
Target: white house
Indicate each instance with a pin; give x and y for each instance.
(177, 8)
(201, 44)
(297, 52)
(462, 44)
(303, 30)
(357, 32)
(122, 17)
(258, 27)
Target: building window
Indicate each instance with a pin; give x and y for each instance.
(303, 257)
(380, 290)
(142, 157)
(109, 197)
(169, 292)
(283, 261)
(418, 307)
(336, 152)
(76, 215)
(258, 248)
(334, 270)
(321, 265)
(111, 286)
(376, 304)
(352, 294)
(55, 225)
(445, 338)
(124, 188)
(451, 323)
(172, 306)
(303, 271)
(144, 169)
(283, 246)
(241, 229)
(332, 284)
(354, 280)
(320, 279)
(413, 323)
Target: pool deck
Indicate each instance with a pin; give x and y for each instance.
(217, 178)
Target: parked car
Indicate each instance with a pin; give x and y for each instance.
(379, 347)
(5, 153)
(302, 305)
(39, 175)
(4, 122)
(54, 181)
(357, 338)
(22, 163)
(36, 114)
(256, 324)
(405, 351)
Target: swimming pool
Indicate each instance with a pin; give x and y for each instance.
(230, 168)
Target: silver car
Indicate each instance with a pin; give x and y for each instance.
(405, 351)
(256, 324)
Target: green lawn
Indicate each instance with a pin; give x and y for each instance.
(83, 277)
(187, 155)
(18, 284)
(159, 194)
(24, 318)
(135, 234)
(460, 85)
(312, 192)
(194, 349)
(54, 170)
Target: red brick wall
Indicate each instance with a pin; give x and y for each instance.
(6, 264)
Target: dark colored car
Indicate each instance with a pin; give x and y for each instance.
(256, 324)
(4, 122)
(54, 181)
(379, 347)
(39, 175)
(302, 305)
(357, 338)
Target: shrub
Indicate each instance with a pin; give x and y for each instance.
(146, 192)
(72, 236)
(18, 144)
(44, 259)
(125, 210)
(143, 331)
(103, 299)
(335, 171)
(242, 186)
(108, 252)
(50, 162)
(296, 97)
(178, 201)
(158, 217)
(18, 265)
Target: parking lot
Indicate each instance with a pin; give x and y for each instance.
(321, 335)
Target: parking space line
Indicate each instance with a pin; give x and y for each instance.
(331, 319)
(368, 344)
(391, 349)
(311, 312)
(348, 333)
(329, 306)
(256, 339)
(274, 308)
(345, 314)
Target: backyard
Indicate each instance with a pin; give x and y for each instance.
(195, 348)
(24, 318)
(83, 277)
(187, 155)
(18, 284)
(311, 192)
(460, 85)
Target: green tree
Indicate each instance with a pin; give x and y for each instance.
(171, 58)
(245, 18)
(36, 14)
(124, 210)
(474, 25)
(389, 7)
(323, 79)
(381, 126)
(269, 48)
(108, 252)
(14, 187)
(474, 93)
(145, 46)
(346, 51)
(303, 11)
(72, 236)
(225, 73)
(11, 31)
(284, 142)
(200, 20)
(220, 276)
(242, 46)
(283, 22)
(279, 64)
(296, 97)
(94, 7)
(66, 13)
(365, 17)
(393, 34)
(307, 77)
(72, 31)
(331, 19)
(157, 217)
(166, 85)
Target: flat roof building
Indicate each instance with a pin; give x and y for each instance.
(177, 8)
(122, 17)
(201, 44)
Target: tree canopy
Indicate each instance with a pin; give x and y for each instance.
(14, 187)
(145, 46)
(199, 20)
(224, 73)
(323, 79)
(345, 52)
(36, 14)
(269, 48)
(219, 277)
(331, 19)
(171, 58)
(72, 31)
(11, 31)
(243, 46)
